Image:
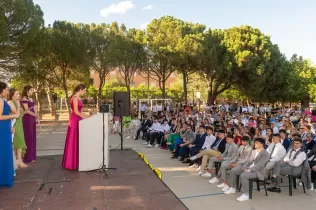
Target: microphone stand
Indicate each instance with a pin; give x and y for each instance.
(103, 167)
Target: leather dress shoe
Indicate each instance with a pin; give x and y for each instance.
(274, 189)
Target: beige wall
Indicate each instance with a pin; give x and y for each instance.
(137, 80)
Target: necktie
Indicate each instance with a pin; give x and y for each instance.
(242, 151)
(272, 151)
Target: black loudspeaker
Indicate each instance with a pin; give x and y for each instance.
(121, 104)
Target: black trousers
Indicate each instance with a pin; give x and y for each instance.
(155, 135)
(185, 152)
(313, 175)
(138, 131)
(142, 114)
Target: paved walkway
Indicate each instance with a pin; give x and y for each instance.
(193, 191)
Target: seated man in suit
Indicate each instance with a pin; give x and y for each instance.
(230, 152)
(209, 140)
(284, 140)
(253, 168)
(217, 148)
(243, 155)
(146, 123)
(292, 164)
(312, 164)
(276, 153)
(155, 130)
(309, 142)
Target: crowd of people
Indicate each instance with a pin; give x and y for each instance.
(18, 132)
(245, 141)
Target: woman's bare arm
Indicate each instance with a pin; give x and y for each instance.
(6, 117)
(27, 110)
(76, 111)
(13, 109)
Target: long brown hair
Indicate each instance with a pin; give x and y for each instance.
(78, 88)
(11, 93)
(2, 86)
(26, 89)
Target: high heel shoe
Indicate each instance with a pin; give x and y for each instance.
(22, 165)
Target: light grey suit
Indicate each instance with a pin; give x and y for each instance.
(241, 158)
(231, 151)
(256, 171)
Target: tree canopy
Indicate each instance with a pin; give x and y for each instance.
(239, 62)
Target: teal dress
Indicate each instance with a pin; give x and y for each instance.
(6, 158)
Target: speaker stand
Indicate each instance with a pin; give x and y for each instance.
(121, 118)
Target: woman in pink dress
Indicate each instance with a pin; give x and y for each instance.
(71, 151)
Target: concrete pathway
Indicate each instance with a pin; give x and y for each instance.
(196, 193)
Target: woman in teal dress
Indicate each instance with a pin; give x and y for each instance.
(18, 139)
(6, 163)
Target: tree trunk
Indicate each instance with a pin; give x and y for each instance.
(148, 78)
(39, 104)
(211, 98)
(66, 94)
(99, 96)
(50, 101)
(185, 91)
(163, 89)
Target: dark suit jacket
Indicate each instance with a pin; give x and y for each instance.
(199, 140)
(286, 144)
(221, 146)
(312, 152)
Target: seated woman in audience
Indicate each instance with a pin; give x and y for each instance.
(237, 136)
(176, 135)
(18, 139)
(269, 136)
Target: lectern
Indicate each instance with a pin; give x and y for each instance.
(90, 142)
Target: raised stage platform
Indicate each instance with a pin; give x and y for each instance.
(45, 185)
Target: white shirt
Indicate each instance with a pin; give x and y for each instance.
(156, 127)
(244, 121)
(278, 153)
(155, 109)
(261, 109)
(253, 164)
(209, 140)
(135, 122)
(159, 108)
(250, 108)
(166, 128)
(275, 130)
(244, 109)
(299, 159)
(268, 109)
(143, 108)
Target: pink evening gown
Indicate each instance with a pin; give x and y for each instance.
(71, 151)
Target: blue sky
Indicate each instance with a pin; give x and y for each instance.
(290, 23)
